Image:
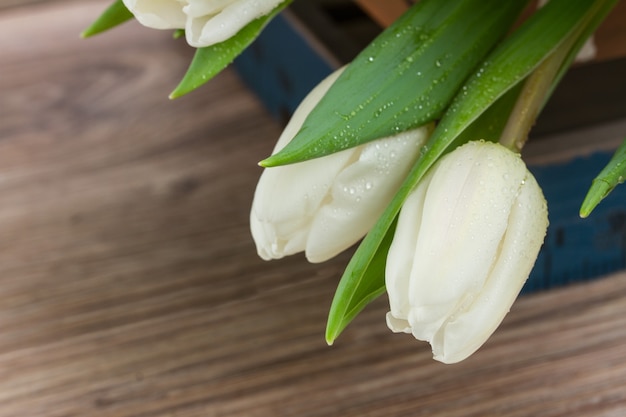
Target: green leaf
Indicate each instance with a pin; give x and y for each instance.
(613, 174)
(405, 78)
(506, 66)
(365, 283)
(510, 63)
(115, 15)
(492, 122)
(209, 61)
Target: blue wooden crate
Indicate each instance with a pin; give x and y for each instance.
(578, 249)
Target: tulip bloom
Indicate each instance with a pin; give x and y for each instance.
(466, 241)
(206, 22)
(325, 205)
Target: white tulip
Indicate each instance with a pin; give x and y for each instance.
(206, 22)
(466, 241)
(323, 206)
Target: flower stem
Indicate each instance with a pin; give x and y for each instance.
(533, 96)
(541, 83)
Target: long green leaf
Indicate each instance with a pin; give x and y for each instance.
(209, 61)
(370, 288)
(612, 175)
(510, 63)
(114, 15)
(492, 122)
(405, 78)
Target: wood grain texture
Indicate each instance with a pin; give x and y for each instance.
(129, 285)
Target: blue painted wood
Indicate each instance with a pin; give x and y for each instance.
(578, 249)
(281, 67)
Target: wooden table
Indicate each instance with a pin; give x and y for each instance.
(129, 284)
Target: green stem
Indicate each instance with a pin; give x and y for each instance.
(541, 83)
(537, 87)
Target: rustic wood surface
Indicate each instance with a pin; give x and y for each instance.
(129, 285)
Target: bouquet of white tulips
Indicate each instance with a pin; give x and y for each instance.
(414, 147)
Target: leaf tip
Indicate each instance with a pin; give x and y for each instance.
(598, 190)
(282, 158)
(268, 162)
(89, 32)
(180, 90)
(330, 337)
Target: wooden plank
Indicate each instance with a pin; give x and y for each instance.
(13, 3)
(129, 285)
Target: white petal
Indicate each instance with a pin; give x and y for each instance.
(400, 257)
(158, 14)
(465, 217)
(325, 205)
(361, 192)
(210, 29)
(286, 200)
(287, 197)
(200, 8)
(397, 325)
(467, 330)
(467, 238)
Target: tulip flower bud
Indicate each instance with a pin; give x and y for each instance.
(323, 206)
(205, 22)
(466, 240)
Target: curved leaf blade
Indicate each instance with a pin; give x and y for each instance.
(610, 177)
(511, 62)
(211, 60)
(114, 15)
(364, 284)
(405, 78)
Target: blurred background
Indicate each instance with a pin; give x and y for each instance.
(129, 283)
